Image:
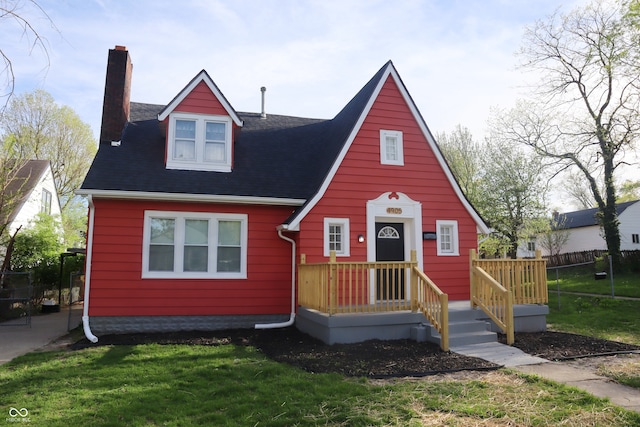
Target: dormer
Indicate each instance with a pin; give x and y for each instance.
(200, 125)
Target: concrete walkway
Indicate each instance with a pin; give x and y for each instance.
(17, 339)
(599, 386)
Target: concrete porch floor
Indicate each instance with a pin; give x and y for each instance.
(357, 327)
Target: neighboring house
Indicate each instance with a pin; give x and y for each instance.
(35, 189)
(585, 233)
(197, 210)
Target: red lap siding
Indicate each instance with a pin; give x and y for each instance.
(361, 177)
(117, 288)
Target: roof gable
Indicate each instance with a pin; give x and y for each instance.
(587, 217)
(189, 97)
(351, 119)
(24, 182)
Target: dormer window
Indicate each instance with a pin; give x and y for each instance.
(199, 142)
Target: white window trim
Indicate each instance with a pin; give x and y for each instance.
(455, 246)
(344, 222)
(179, 245)
(199, 163)
(383, 147)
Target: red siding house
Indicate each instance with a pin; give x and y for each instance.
(200, 216)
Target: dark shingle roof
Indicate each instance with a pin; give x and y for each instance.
(280, 156)
(24, 181)
(587, 217)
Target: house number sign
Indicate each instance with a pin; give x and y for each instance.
(394, 211)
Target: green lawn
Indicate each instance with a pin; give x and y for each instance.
(599, 316)
(581, 279)
(181, 385)
(602, 317)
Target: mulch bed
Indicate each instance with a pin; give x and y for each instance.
(564, 346)
(375, 358)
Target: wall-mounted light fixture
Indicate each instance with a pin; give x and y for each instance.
(360, 238)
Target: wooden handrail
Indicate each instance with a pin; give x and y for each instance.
(492, 298)
(345, 287)
(434, 304)
(525, 278)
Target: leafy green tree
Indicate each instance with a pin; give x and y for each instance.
(586, 112)
(74, 223)
(513, 190)
(35, 127)
(629, 191)
(464, 156)
(37, 248)
(503, 182)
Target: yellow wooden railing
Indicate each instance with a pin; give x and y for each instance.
(495, 300)
(345, 287)
(434, 304)
(525, 278)
(498, 284)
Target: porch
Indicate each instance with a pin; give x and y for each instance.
(341, 302)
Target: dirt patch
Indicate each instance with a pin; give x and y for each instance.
(375, 358)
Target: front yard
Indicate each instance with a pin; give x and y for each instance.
(236, 385)
(238, 382)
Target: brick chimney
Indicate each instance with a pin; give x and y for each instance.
(117, 89)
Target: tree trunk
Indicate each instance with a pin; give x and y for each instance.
(610, 223)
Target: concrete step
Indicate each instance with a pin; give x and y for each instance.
(465, 328)
(468, 326)
(462, 338)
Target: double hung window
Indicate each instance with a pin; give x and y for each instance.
(336, 236)
(391, 150)
(447, 238)
(199, 142)
(45, 205)
(194, 245)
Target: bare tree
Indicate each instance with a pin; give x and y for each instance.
(578, 189)
(17, 19)
(556, 235)
(587, 109)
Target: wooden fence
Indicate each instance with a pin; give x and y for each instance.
(589, 256)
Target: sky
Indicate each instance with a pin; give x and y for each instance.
(456, 57)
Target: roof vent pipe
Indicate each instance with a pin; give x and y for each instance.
(263, 114)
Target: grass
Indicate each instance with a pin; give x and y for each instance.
(612, 319)
(599, 316)
(625, 373)
(581, 279)
(180, 385)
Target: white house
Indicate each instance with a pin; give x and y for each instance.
(585, 234)
(36, 189)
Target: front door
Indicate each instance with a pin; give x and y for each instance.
(390, 281)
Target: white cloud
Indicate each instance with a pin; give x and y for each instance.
(456, 57)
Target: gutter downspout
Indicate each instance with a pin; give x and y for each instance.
(293, 289)
(87, 277)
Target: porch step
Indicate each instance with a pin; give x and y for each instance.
(464, 327)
